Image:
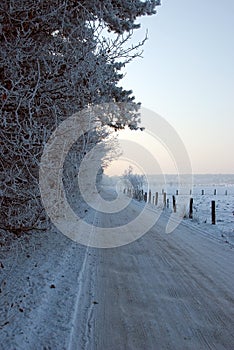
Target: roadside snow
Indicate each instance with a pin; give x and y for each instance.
(163, 291)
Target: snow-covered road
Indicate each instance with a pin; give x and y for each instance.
(163, 291)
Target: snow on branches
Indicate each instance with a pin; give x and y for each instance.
(56, 58)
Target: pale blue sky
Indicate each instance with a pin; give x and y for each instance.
(187, 76)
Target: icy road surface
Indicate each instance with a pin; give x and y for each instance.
(163, 291)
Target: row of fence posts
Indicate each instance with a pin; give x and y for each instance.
(213, 211)
(141, 195)
(165, 199)
(215, 192)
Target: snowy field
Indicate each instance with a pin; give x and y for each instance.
(202, 192)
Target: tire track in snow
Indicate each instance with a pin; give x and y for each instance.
(74, 342)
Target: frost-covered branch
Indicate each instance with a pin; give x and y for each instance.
(55, 60)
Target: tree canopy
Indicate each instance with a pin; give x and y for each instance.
(56, 58)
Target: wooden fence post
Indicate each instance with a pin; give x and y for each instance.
(164, 199)
(149, 196)
(215, 192)
(167, 202)
(191, 208)
(213, 219)
(174, 203)
(145, 197)
(156, 198)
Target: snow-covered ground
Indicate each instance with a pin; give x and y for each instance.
(203, 192)
(47, 293)
(163, 291)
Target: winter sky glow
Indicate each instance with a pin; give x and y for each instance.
(187, 76)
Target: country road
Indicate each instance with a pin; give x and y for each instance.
(163, 291)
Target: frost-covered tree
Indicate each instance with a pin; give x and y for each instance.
(56, 58)
(135, 181)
